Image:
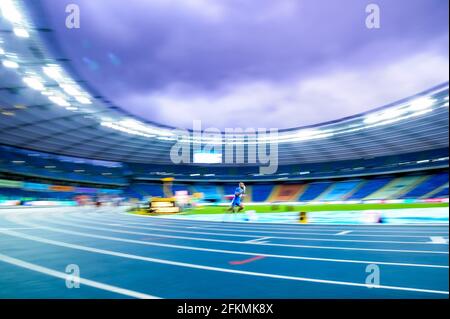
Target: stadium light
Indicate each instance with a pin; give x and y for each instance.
(133, 125)
(395, 112)
(34, 83)
(421, 104)
(10, 12)
(373, 118)
(10, 64)
(83, 100)
(70, 89)
(21, 32)
(59, 101)
(123, 129)
(47, 93)
(306, 135)
(387, 115)
(53, 72)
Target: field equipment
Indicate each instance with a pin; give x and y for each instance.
(163, 206)
(167, 204)
(303, 218)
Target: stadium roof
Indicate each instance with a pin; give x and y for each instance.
(45, 107)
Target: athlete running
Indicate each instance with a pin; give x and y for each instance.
(238, 194)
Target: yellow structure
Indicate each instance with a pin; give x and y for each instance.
(303, 218)
(167, 204)
(164, 206)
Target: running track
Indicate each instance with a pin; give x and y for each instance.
(127, 256)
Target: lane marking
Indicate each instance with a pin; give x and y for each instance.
(240, 252)
(261, 240)
(246, 225)
(217, 269)
(344, 232)
(232, 235)
(358, 228)
(240, 242)
(91, 283)
(17, 228)
(151, 238)
(183, 226)
(265, 225)
(246, 261)
(438, 240)
(333, 232)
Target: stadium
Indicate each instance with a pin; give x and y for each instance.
(96, 204)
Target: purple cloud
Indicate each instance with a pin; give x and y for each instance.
(254, 63)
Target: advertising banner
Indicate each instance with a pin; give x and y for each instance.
(10, 184)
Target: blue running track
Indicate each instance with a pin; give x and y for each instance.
(127, 256)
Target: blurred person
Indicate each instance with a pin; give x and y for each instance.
(236, 202)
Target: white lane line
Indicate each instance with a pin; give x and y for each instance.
(344, 232)
(167, 230)
(178, 223)
(438, 240)
(261, 240)
(330, 227)
(266, 231)
(17, 228)
(236, 252)
(332, 232)
(79, 223)
(217, 269)
(232, 241)
(53, 273)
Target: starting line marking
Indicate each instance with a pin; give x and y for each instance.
(344, 232)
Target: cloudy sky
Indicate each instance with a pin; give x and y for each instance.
(254, 63)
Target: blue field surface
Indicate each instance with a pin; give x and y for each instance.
(120, 255)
